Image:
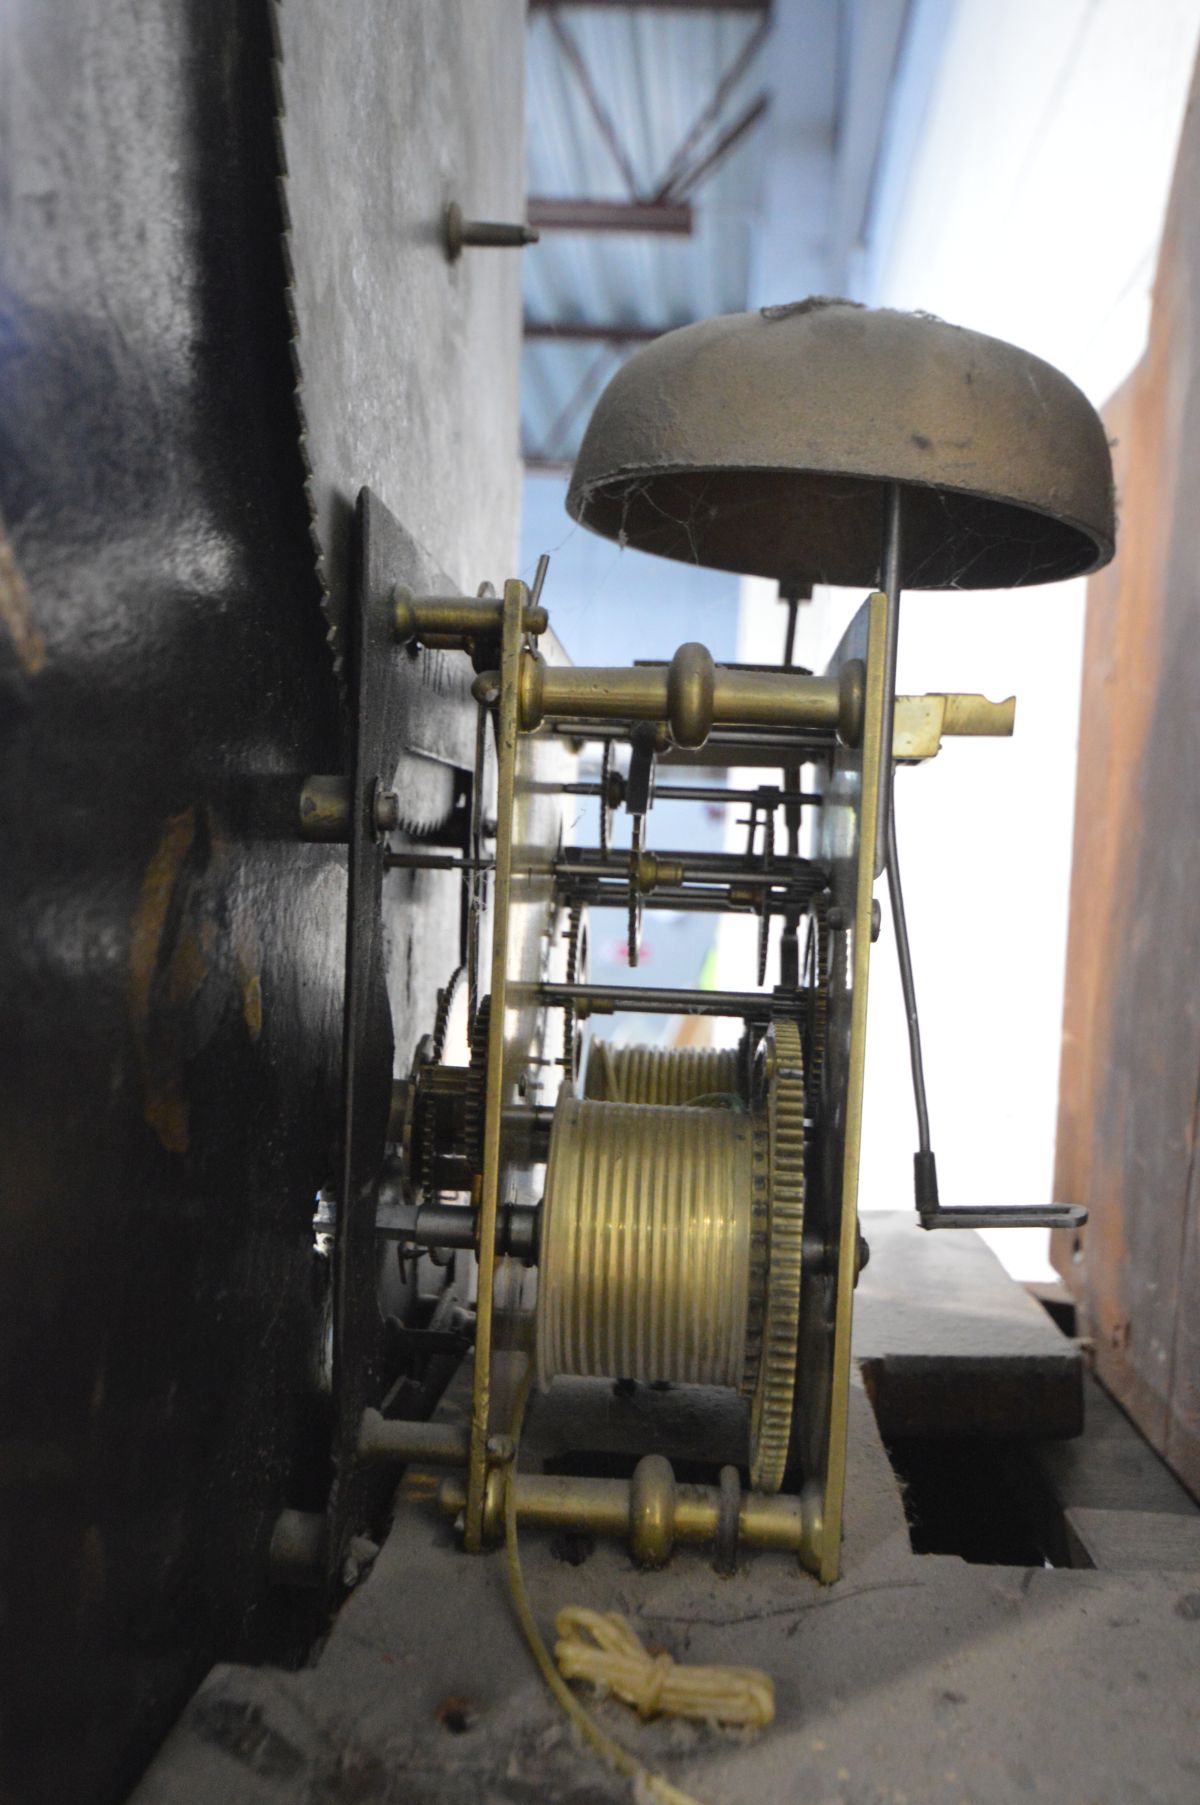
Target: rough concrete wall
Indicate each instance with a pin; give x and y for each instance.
(171, 959)
(382, 129)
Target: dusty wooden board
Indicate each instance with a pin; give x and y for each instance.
(1131, 1029)
(950, 1346)
(1110, 1470)
(1110, 1466)
(1128, 1541)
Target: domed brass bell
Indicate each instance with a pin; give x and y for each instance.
(763, 443)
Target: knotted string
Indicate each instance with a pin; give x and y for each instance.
(602, 1648)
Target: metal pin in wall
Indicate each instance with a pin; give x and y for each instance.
(495, 234)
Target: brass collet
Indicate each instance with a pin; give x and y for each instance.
(651, 872)
(691, 695)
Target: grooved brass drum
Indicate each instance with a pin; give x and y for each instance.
(762, 443)
(644, 1270)
(672, 1234)
(663, 1075)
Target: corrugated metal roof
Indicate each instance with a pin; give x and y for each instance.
(655, 73)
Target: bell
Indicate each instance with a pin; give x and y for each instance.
(764, 443)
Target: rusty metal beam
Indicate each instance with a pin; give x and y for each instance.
(674, 182)
(576, 402)
(602, 117)
(579, 213)
(536, 464)
(666, 6)
(690, 179)
(586, 332)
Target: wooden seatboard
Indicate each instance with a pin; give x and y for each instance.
(1134, 1541)
(951, 1346)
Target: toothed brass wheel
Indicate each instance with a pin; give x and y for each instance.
(576, 966)
(816, 964)
(476, 1094)
(775, 1383)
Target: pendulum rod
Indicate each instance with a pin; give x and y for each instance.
(924, 1165)
(925, 1183)
(890, 564)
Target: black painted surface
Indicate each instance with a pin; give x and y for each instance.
(413, 732)
(171, 960)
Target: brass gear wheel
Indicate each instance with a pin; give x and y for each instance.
(633, 924)
(816, 961)
(576, 942)
(429, 1190)
(434, 1053)
(775, 1384)
(606, 810)
(475, 1104)
(441, 1020)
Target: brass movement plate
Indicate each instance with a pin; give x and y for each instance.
(846, 842)
(528, 946)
